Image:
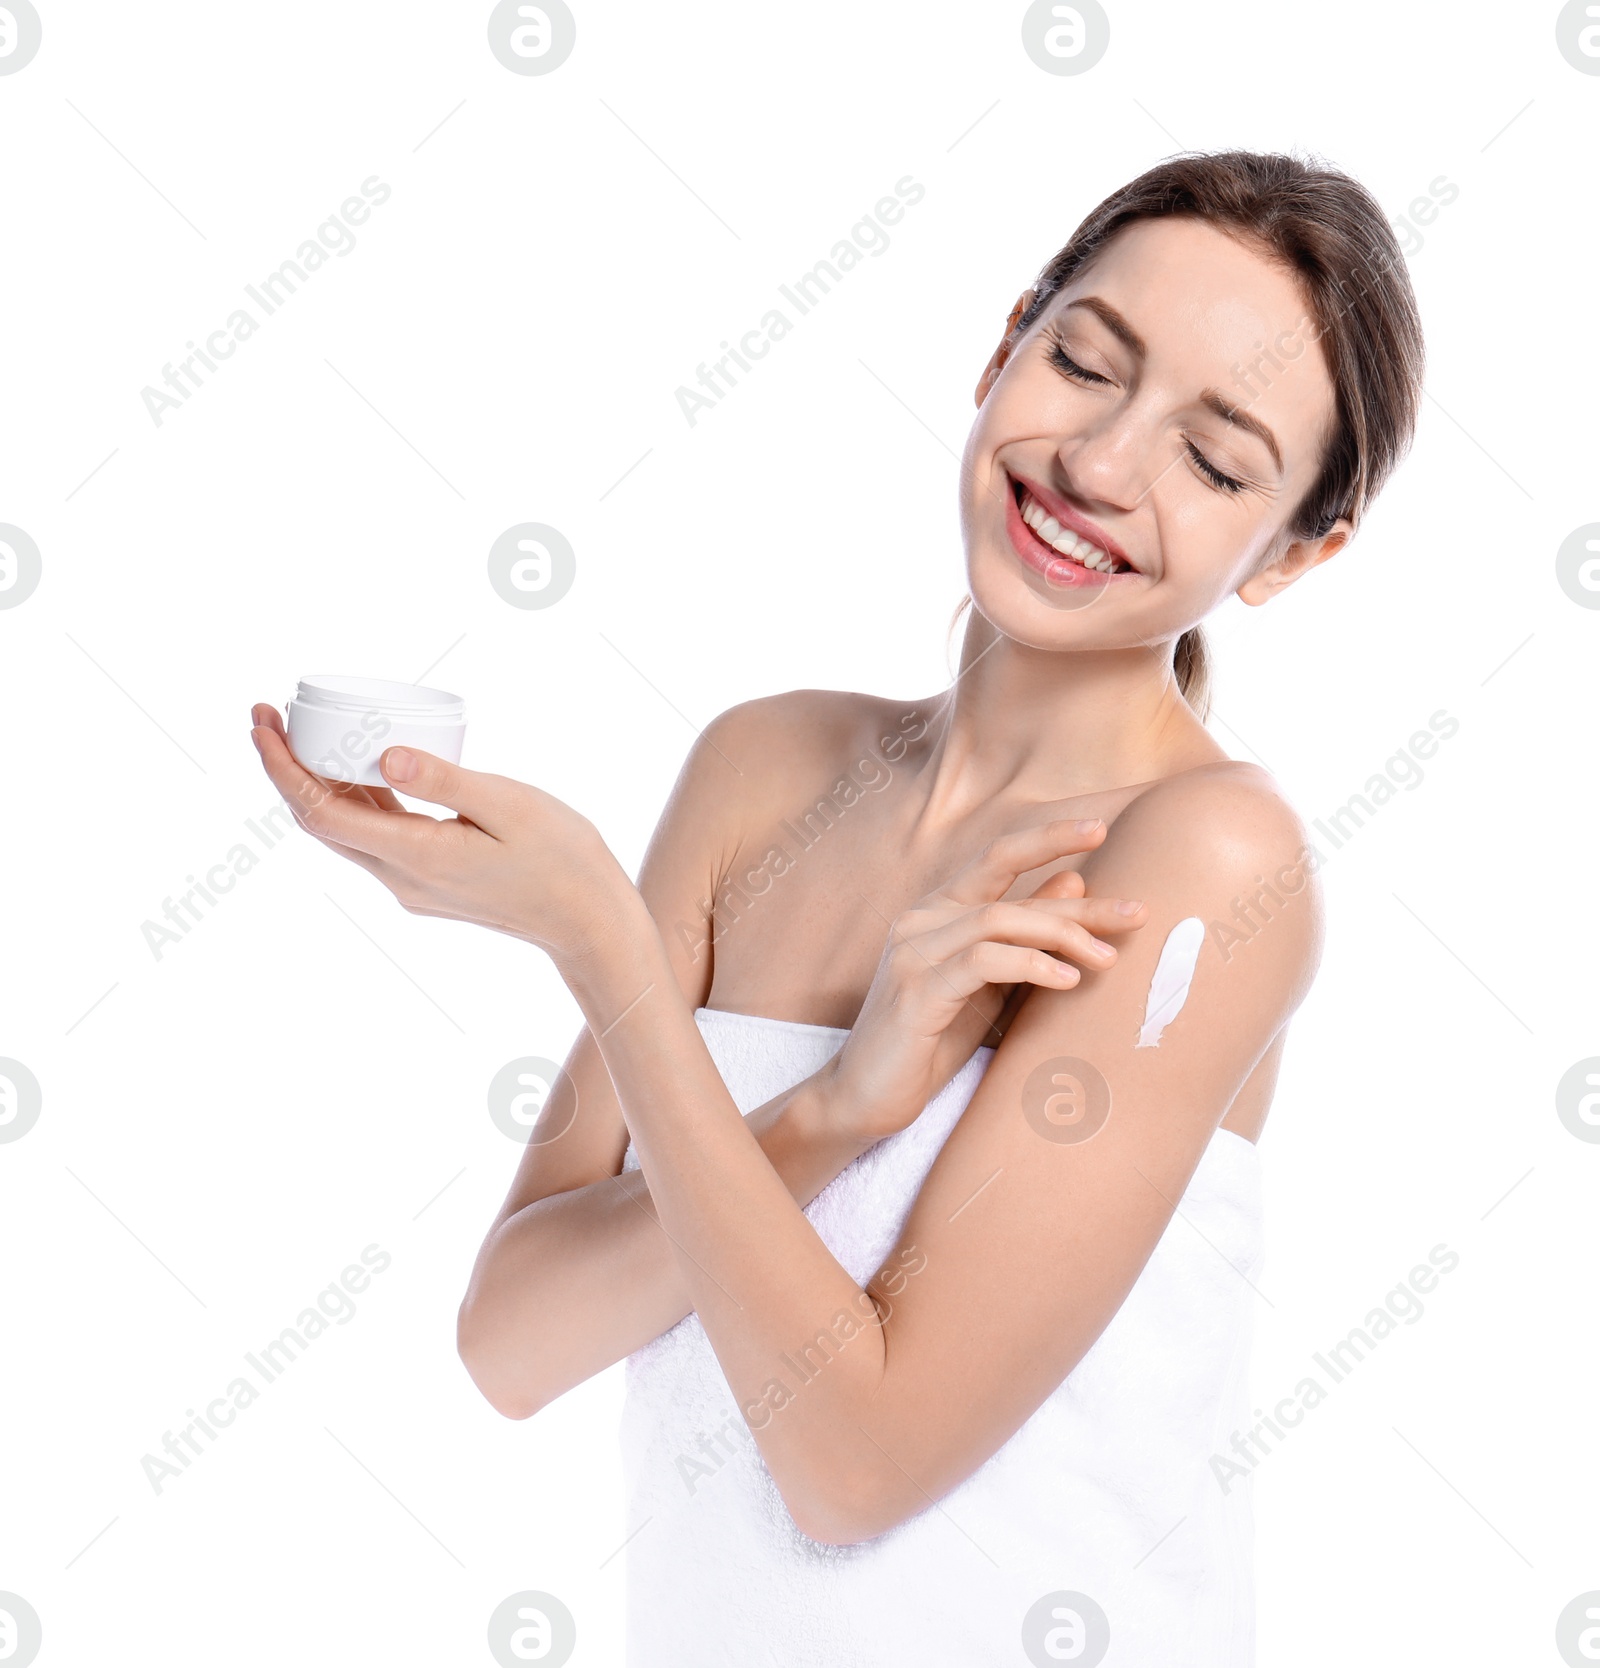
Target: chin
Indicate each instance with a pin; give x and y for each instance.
(1028, 609)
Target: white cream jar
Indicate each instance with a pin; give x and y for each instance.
(338, 727)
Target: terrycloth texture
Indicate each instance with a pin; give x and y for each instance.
(1106, 1490)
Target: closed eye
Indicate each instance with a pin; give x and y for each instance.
(1224, 483)
(1065, 363)
(1068, 366)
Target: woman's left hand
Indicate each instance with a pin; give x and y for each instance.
(513, 858)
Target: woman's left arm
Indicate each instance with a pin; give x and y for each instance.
(1039, 1212)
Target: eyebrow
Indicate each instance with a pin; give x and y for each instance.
(1209, 397)
(1114, 322)
(1230, 413)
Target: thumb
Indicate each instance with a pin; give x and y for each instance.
(426, 776)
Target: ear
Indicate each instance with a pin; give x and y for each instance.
(1297, 560)
(1003, 352)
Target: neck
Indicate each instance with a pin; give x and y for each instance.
(1029, 725)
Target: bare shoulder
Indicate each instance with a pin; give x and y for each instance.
(808, 733)
(1214, 811)
(809, 718)
(1222, 841)
(746, 763)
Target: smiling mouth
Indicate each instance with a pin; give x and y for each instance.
(1061, 541)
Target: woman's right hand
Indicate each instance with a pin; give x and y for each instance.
(952, 966)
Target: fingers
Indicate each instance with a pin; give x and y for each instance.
(385, 872)
(1098, 914)
(417, 774)
(362, 794)
(988, 963)
(477, 795)
(269, 717)
(1064, 883)
(1006, 857)
(1055, 926)
(321, 809)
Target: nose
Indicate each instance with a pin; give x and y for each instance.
(1113, 462)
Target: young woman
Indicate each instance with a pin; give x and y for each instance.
(921, 1368)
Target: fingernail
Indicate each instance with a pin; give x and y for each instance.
(1101, 945)
(1088, 825)
(255, 739)
(1129, 906)
(400, 764)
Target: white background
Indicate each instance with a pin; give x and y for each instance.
(225, 1127)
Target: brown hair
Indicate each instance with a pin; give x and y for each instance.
(1329, 231)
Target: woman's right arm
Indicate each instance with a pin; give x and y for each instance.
(576, 1272)
(573, 1280)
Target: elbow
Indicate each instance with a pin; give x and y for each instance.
(847, 1511)
(485, 1367)
(825, 1525)
(850, 1527)
(831, 1530)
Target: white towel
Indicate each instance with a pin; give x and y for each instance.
(1107, 1490)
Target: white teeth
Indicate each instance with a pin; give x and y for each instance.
(1065, 542)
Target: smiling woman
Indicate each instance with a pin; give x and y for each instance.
(873, 1186)
(1344, 353)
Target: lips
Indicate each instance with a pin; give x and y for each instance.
(1053, 540)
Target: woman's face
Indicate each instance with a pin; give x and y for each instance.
(1137, 455)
